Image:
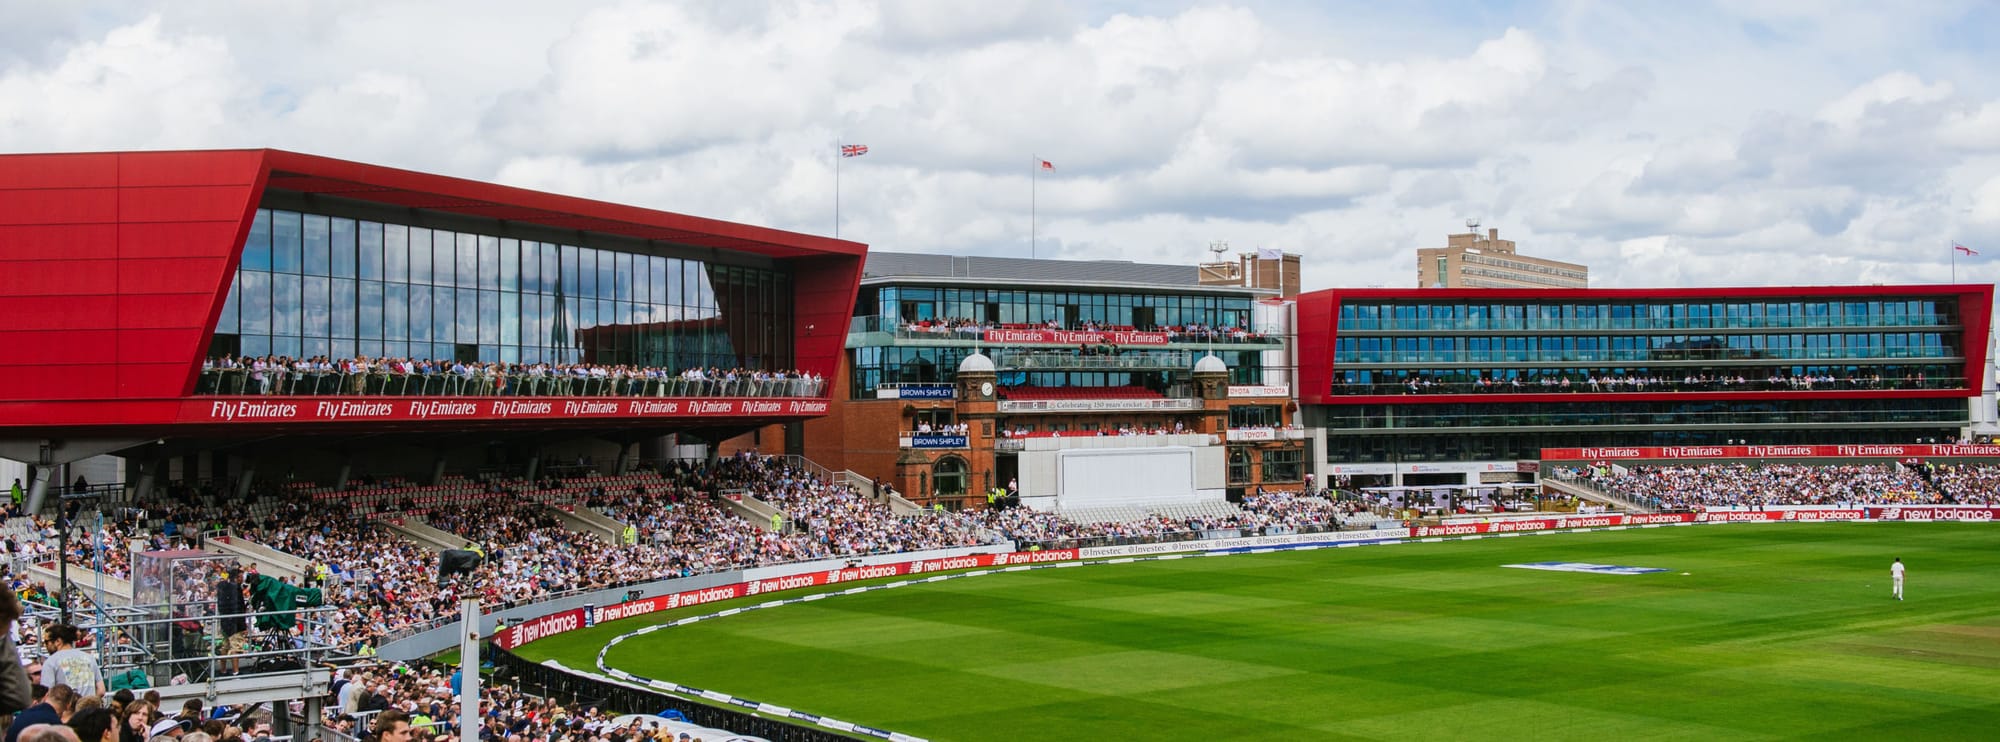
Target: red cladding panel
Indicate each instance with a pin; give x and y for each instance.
(150, 380)
(122, 266)
(1975, 309)
(169, 276)
(167, 345)
(178, 239)
(50, 347)
(73, 313)
(59, 171)
(58, 382)
(60, 206)
(162, 310)
(824, 290)
(58, 241)
(61, 278)
(1317, 311)
(191, 204)
(238, 168)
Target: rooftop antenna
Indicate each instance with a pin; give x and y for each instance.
(1218, 247)
(1472, 225)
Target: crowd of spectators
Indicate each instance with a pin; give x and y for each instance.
(320, 375)
(683, 524)
(1269, 512)
(1967, 484)
(1697, 486)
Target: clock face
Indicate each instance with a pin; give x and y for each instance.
(986, 388)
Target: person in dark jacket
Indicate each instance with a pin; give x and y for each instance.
(235, 629)
(54, 706)
(15, 688)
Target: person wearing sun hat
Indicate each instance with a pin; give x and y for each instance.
(170, 728)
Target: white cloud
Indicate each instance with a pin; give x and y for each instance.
(136, 87)
(1703, 144)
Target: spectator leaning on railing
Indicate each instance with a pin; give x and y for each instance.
(417, 377)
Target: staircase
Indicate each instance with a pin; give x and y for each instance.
(1591, 491)
(420, 533)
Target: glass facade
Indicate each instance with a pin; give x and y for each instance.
(1502, 431)
(1071, 309)
(876, 365)
(1396, 347)
(1150, 312)
(313, 285)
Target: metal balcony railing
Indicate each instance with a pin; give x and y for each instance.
(237, 381)
(1178, 360)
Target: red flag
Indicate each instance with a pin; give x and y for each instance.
(1964, 249)
(853, 150)
(1046, 165)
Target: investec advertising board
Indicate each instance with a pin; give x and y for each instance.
(311, 409)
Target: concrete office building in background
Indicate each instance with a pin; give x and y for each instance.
(1475, 261)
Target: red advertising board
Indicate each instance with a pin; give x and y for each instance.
(1075, 337)
(572, 620)
(349, 409)
(537, 628)
(1650, 453)
(1977, 513)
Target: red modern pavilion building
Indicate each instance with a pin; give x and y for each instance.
(138, 281)
(1469, 386)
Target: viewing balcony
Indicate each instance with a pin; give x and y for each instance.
(1061, 399)
(1070, 360)
(382, 382)
(878, 330)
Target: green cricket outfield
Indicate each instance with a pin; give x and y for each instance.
(1752, 632)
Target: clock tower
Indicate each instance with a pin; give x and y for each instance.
(976, 379)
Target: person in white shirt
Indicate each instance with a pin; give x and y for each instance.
(1896, 577)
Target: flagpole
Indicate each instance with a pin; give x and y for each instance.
(1034, 170)
(837, 157)
(1954, 263)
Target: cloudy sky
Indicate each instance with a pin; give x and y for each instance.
(1662, 143)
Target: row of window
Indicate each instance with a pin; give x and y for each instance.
(1279, 465)
(1356, 419)
(1641, 378)
(1070, 309)
(1476, 278)
(1527, 446)
(1589, 348)
(1522, 266)
(1664, 315)
(877, 365)
(291, 242)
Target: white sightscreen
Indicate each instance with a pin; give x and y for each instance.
(1126, 476)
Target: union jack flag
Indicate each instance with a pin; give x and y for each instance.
(853, 150)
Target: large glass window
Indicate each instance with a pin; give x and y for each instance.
(285, 241)
(1283, 465)
(323, 284)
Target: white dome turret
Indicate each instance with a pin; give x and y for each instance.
(977, 363)
(1209, 364)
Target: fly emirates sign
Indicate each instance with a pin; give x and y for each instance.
(308, 409)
